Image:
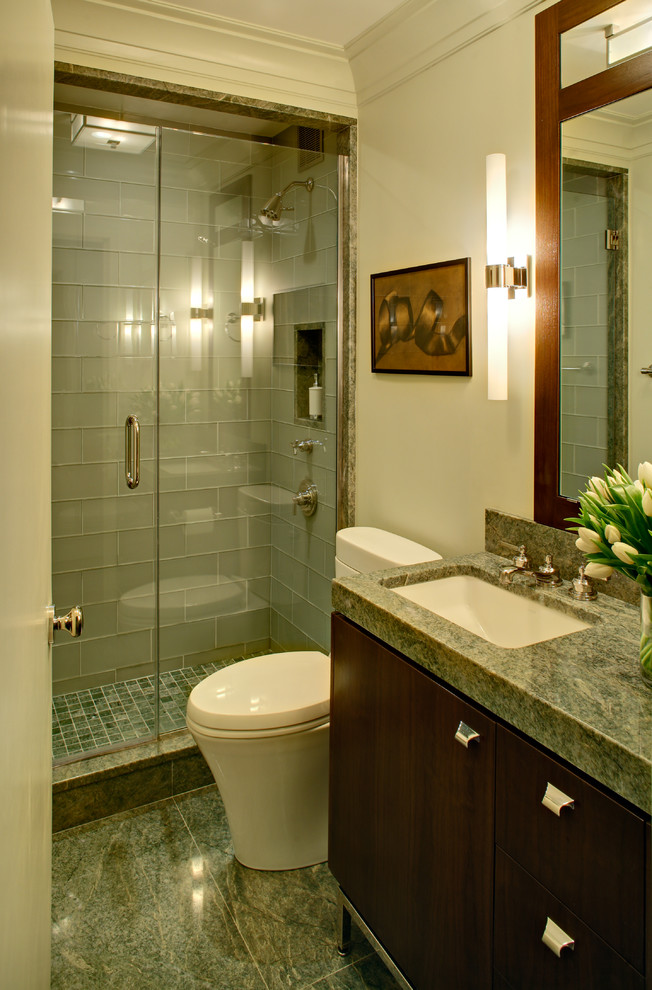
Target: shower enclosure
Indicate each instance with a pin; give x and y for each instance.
(190, 322)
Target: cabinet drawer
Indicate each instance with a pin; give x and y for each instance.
(590, 856)
(524, 962)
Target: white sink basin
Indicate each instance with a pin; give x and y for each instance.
(499, 616)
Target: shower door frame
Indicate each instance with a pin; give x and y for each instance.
(108, 82)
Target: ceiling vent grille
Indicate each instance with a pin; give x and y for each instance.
(311, 147)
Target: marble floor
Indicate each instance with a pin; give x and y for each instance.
(153, 898)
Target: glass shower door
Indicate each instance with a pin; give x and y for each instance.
(104, 378)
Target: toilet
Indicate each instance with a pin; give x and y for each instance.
(262, 727)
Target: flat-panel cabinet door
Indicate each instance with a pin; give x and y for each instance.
(411, 822)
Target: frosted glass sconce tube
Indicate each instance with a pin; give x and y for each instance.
(247, 319)
(501, 278)
(251, 308)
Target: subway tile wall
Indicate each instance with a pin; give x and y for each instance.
(237, 569)
(584, 331)
(214, 426)
(304, 267)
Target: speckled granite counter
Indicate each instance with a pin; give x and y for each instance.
(581, 696)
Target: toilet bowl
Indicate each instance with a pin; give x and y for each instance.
(262, 726)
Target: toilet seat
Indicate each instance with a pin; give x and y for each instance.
(280, 691)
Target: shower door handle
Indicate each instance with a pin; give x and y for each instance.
(132, 451)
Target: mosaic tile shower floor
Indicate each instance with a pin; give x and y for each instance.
(84, 721)
(153, 898)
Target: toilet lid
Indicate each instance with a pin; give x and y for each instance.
(279, 689)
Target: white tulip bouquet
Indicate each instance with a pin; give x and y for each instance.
(614, 530)
(614, 527)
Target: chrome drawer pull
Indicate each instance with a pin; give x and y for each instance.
(465, 734)
(555, 800)
(556, 938)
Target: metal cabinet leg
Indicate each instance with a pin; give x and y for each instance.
(344, 938)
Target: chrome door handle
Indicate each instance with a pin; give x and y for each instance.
(556, 938)
(132, 451)
(465, 734)
(73, 622)
(555, 800)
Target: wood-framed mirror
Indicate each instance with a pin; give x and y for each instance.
(569, 87)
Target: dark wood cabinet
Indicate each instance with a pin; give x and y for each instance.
(523, 908)
(590, 855)
(447, 852)
(412, 809)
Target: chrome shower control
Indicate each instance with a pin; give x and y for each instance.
(306, 498)
(73, 622)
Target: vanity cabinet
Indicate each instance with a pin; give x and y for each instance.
(412, 808)
(447, 852)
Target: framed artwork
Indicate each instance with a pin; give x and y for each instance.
(421, 320)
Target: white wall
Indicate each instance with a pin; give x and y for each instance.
(433, 452)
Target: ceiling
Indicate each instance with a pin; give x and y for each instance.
(334, 21)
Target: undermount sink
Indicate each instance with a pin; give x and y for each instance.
(501, 617)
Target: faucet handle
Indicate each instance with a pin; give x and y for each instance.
(582, 587)
(547, 573)
(522, 561)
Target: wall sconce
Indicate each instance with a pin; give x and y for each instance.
(501, 277)
(250, 309)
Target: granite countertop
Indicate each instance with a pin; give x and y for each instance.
(580, 695)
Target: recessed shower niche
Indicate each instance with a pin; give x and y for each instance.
(309, 374)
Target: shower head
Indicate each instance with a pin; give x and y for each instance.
(271, 211)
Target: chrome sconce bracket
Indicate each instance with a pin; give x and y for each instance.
(255, 308)
(197, 313)
(507, 277)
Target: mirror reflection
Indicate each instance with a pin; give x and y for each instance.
(617, 34)
(606, 290)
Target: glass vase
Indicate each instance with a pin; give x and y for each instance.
(646, 639)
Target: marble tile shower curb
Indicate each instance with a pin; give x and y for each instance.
(101, 786)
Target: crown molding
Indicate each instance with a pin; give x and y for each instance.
(147, 38)
(421, 33)
(164, 10)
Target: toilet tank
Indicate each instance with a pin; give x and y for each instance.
(359, 549)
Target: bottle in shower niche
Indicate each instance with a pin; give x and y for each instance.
(315, 400)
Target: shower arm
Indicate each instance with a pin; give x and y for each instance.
(274, 206)
(308, 184)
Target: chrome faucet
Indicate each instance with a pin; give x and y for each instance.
(305, 445)
(547, 574)
(520, 565)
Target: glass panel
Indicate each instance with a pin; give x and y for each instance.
(103, 370)
(241, 572)
(621, 32)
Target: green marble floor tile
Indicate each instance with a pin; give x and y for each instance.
(366, 974)
(288, 919)
(134, 905)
